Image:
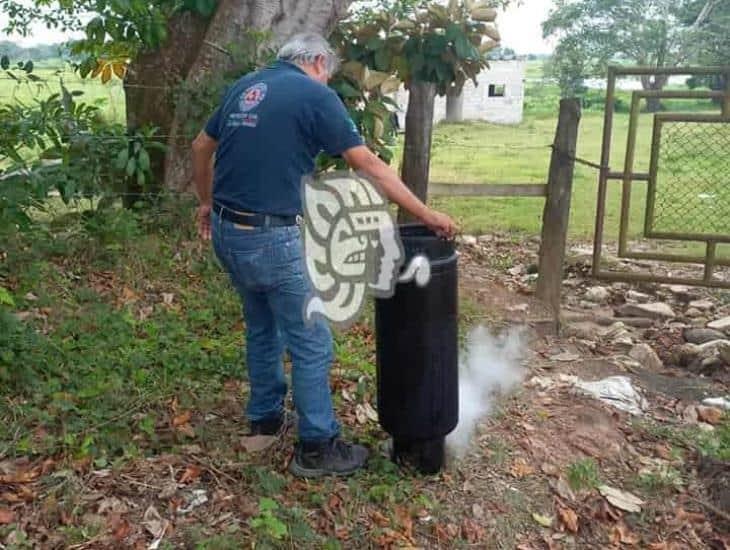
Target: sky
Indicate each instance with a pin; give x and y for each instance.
(519, 26)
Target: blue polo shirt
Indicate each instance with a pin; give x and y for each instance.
(270, 127)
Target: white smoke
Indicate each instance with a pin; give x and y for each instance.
(489, 365)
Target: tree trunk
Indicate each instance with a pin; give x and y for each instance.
(148, 88)
(654, 104)
(283, 19)
(454, 107)
(417, 147)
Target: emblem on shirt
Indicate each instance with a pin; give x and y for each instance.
(252, 97)
(352, 247)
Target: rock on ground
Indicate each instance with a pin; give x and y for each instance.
(720, 324)
(646, 356)
(597, 294)
(702, 335)
(656, 310)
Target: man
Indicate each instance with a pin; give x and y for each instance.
(265, 136)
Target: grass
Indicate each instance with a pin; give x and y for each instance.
(482, 153)
(110, 96)
(583, 474)
(489, 153)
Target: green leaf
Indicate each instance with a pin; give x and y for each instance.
(131, 166)
(144, 160)
(120, 163)
(346, 90)
(6, 298)
(382, 60)
(268, 504)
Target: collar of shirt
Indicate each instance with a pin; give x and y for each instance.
(282, 64)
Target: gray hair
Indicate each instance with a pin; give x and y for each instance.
(305, 48)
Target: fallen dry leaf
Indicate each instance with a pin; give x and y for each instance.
(6, 516)
(187, 430)
(122, 530)
(111, 505)
(620, 534)
(621, 499)
(545, 521)
(257, 443)
(682, 516)
(472, 531)
(568, 518)
(154, 523)
(405, 521)
(128, 295)
(21, 493)
(182, 418)
(21, 476)
(379, 519)
(520, 468)
(710, 415)
(191, 473)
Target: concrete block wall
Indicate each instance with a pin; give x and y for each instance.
(478, 105)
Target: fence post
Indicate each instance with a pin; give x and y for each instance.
(556, 214)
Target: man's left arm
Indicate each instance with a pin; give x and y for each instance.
(204, 148)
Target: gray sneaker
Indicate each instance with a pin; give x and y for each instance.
(332, 458)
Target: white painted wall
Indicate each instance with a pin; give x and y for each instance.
(477, 103)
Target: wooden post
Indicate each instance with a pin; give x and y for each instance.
(557, 207)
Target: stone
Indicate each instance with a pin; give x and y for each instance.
(519, 269)
(614, 330)
(710, 415)
(688, 354)
(712, 347)
(485, 239)
(584, 330)
(597, 294)
(702, 305)
(645, 355)
(724, 350)
(702, 335)
(635, 296)
(469, 240)
(684, 293)
(690, 415)
(655, 310)
(693, 312)
(720, 324)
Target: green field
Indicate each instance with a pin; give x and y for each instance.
(110, 96)
(467, 153)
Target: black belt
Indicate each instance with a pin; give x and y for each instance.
(254, 220)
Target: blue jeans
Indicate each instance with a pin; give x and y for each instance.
(266, 266)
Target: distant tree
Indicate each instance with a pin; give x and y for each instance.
(652, 33)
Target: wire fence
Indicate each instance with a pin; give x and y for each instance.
(470, 153)
(692, 192)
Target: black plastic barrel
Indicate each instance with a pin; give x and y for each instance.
(417, 355)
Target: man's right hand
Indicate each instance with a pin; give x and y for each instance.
(441, 224)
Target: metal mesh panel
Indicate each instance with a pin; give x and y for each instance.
(693, 179)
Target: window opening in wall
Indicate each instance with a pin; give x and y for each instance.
(496, 90)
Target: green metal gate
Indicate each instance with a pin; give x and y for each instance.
(687, 185)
